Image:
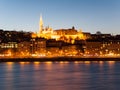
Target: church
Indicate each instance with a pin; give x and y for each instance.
(66, 35)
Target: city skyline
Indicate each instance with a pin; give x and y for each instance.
(88, 15)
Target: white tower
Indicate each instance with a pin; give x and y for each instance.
(40, 25)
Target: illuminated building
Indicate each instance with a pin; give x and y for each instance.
(61, 42)
(111, 47)
(9, 45)
(69, 50)
(66, 35)
(93, 47)
(24, 48)
(9, 48)
(38, 46)
(43, 32)
(54, 47)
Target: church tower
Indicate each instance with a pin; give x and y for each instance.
(40, 25)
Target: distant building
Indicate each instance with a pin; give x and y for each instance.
(9, 48)
(24, 48)
(38, 45)
(66, 35)
(93, 47)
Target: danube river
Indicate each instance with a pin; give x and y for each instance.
(94, 75)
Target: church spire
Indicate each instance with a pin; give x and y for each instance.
(41, 24)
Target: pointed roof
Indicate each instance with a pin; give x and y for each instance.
(41, 21)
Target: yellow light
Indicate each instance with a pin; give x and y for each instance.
(100, 62)
(9, 66)
(34, 35)
(36, 62)
(66, 62)
(61, 62)
(22, 62)
(87, 62)
(76, 62)
(10, 63)
(111, 62)
(48, 62)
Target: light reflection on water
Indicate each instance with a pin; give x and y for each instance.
(77, 75)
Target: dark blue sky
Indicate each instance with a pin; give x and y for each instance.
(89, 15)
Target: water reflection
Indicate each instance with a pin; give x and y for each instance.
(9, 75)
(62, 75)
(61, 62)
(111, 65)
(111, 62)
(37, 62)
(48, 62)
(76, 62)
(9, 66)
(48, 65)
(27, 62)
(87, 62)
(101, 62)
(22, 63)
(36, 65)
(9, 63)
(64, 62)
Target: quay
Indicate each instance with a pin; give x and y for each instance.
(53, 59)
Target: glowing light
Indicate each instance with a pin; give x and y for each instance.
(9, 63)
(36, 62)
(76, 62)
(34, 55)
(9, 66)
(61, 62)
(87, 62)
(48, 62)
(34, 35)
(101, 62)
(22, 63)
(111, 54)
(27, 62)
(111, 62)
(66, 62)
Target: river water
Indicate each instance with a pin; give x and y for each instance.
(96, 75)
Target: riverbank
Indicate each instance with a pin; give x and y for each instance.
(44, 59)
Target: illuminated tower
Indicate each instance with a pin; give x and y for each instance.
(40, 25)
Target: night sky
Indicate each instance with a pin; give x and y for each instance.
(88, 15)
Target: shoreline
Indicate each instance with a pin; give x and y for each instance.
(53, 59)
